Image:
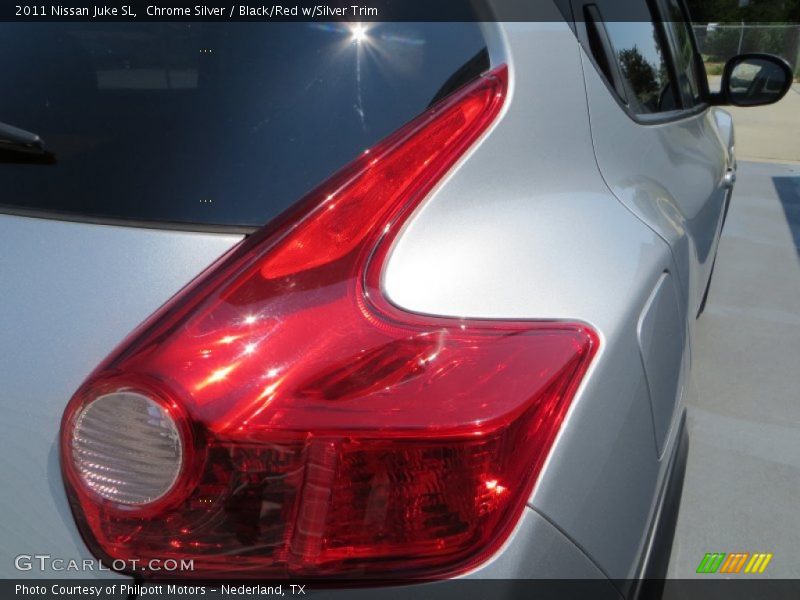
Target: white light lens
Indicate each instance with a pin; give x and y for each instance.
(127, 448)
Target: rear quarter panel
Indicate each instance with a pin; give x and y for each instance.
(669, 174)
(526, 228)
(70, 293)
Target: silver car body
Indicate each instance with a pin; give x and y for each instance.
(566, 209)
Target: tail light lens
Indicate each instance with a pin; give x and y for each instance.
(280, 417)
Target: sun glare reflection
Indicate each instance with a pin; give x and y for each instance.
(358, 33)
(216, 376)
(493, 486)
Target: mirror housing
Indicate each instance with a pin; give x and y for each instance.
(754, 79)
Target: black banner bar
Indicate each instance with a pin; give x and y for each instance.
(710, 588)
(374, 10)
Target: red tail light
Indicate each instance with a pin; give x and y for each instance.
(315, 429)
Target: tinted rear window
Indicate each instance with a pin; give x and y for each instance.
(209, 123)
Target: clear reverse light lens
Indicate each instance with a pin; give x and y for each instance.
(127, 448)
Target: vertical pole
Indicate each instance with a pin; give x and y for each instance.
(741, 37)
(797, 48)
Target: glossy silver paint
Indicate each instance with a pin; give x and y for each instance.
(662, 340)
(566, 209)
(672, 175)
(70, 293)
(528, 228)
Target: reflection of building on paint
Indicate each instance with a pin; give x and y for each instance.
(719, 562)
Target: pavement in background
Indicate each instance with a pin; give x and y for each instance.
(769, 132)
(742, 488)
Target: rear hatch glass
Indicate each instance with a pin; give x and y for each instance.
(214, 124)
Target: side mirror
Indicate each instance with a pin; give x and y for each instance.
(755, 79)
